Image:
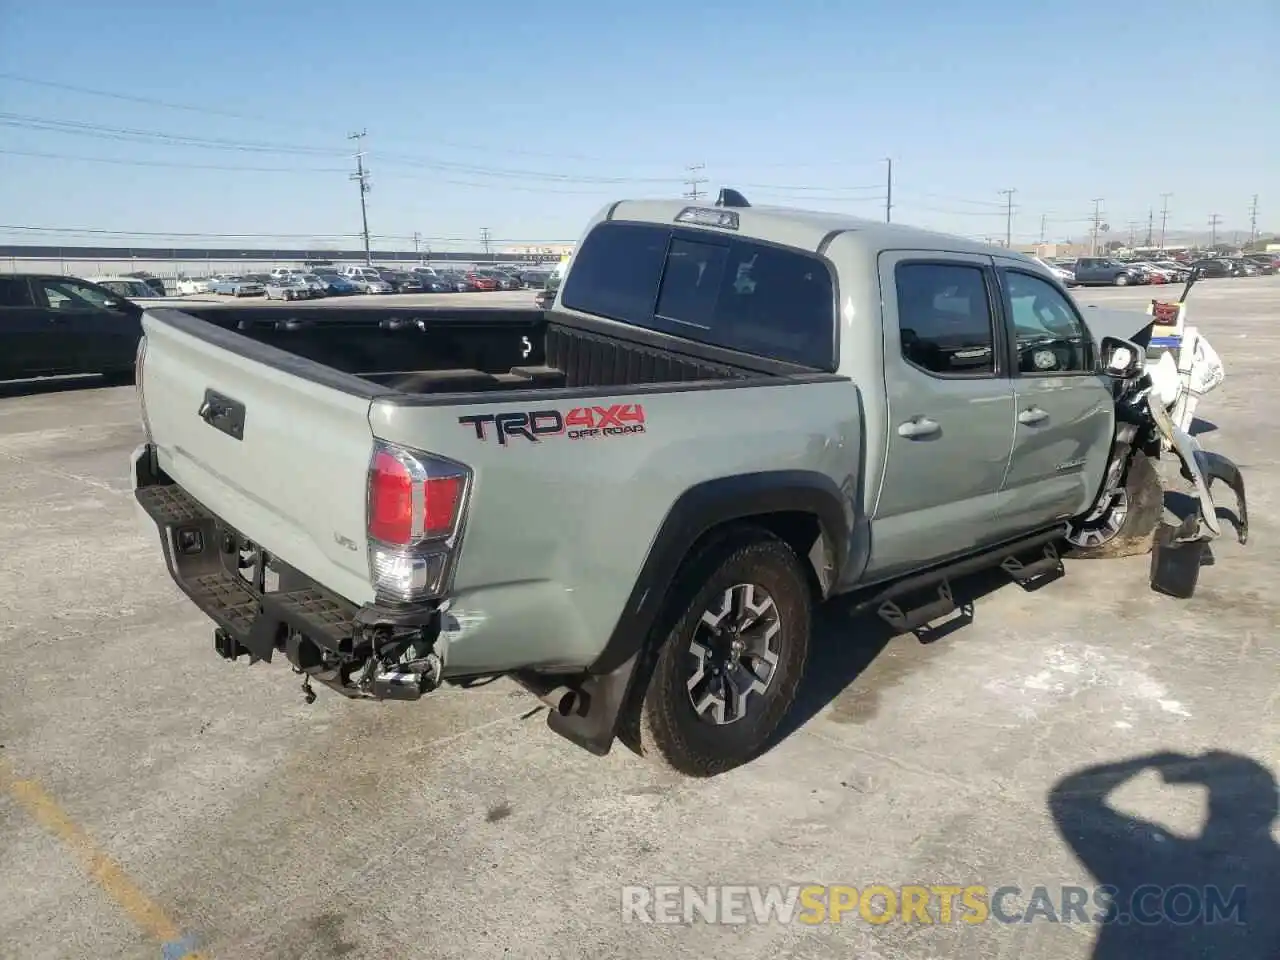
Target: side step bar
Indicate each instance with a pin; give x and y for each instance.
(904, 618)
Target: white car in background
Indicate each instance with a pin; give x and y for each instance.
(131, 288)
(1062, 273)
(188, 286)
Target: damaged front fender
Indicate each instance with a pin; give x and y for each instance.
(1202, 467)
(1178, 551)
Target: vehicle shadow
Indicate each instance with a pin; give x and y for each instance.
(1208, 896)
(846, 641)
(35, 388)
(1199, 426)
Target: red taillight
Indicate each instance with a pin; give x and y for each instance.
(413, 496)
(390, 500)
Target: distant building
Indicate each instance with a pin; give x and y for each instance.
(1052, 251)
(533, 249)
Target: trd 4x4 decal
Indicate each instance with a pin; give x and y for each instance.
(580, 423)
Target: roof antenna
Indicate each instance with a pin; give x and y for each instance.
(731, 198)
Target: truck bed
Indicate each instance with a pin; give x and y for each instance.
(433, 350)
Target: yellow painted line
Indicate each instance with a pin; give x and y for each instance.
(110, 877)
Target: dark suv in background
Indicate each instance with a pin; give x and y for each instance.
(1095, 271)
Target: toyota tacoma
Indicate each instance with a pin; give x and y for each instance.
(631, 502)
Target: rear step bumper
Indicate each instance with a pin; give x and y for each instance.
(261, 606)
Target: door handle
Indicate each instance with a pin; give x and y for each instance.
(1032, 415)
(918, 428)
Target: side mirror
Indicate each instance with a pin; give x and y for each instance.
(1121, 359)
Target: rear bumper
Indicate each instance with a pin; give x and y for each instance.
(259, 604)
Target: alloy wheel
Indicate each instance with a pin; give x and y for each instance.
(734, 654)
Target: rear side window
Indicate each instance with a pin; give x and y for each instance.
(15, 292)
(755, 298)
(945, 318)
(616, 272)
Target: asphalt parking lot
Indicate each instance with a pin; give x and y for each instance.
(156, 801)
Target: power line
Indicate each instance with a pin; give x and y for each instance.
(693, 181)
(361, 176)
(98, 231)
(1096, 220)
(147, 101)
(888, 189)
(1008, 215)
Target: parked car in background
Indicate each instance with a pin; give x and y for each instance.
(237, 287)
(1244, 267)
(481, 280)
(187, 286)
(1067, 277)
(1213, 268)
(1150, 271)
(1269, 262)
(1097, 271)
(458, 282)
(1178, 272)
(150, 279)
(401, 281)
(372, 284)
(437, 284)
(359, 271)
(287, 287)
(56, 326)
(336, 286)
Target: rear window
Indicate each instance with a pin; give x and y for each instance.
(722, 291)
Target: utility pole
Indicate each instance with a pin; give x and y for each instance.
(1151, 223)
(361, 176)
(694, 181)
(1214, 220)
(1133, 225)
(1044, 224)
(484, 240)
(1164, 216)
(1253, 220)
(1008, 216)
(1097, 220)
(888, 189)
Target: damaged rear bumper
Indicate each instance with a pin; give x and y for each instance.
(261, 606)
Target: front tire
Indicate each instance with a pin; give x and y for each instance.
(1122, 280)
(729, 666)
(1126, 529)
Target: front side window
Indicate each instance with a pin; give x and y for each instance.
(945, 319)
(1051, 338)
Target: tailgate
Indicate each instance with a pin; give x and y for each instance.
(275, 445)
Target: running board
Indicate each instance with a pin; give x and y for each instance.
(913, 618)
(904, 618)
(1049, 564)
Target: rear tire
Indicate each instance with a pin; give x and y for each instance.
(737, 625)
(1122, 280)
(1142, 502)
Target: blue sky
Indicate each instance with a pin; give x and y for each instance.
(526, 118)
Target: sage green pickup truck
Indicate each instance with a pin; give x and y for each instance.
(631, 502)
